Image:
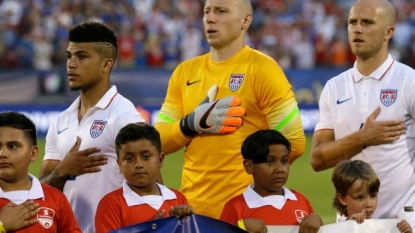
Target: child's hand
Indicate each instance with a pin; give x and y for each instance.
(359, 217)
(404, 227)
(311, 224)
(159, 215)
(181, 211)
(253, 225)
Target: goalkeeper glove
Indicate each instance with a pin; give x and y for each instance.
(220, 116)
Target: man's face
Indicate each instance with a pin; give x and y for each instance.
(222, 22)
(140, 163)
(16, 153)
(367, 29)
(84, 66)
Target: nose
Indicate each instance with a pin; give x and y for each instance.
(71, 63)
(3, 153)
(369, 202)
(278, 168)
(209, 17)
(138, 164)
(357, 29)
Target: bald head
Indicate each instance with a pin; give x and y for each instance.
(383, 8)
(245, 6)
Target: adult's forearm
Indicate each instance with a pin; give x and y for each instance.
(326, 155)
(172, 138)
(55, 179)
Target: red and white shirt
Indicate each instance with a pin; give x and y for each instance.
(289, 209)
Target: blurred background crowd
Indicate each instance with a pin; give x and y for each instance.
(301, 34)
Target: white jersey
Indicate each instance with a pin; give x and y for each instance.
(345, 103)
(98, 128)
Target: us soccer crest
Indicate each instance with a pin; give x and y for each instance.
(97, 128)
(388, 96)
(300, 215)
(45, 217)
(236, 81)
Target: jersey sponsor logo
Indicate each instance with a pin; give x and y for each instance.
(45, 217)
(236, 80)
(97, 128)
(61, 131)
(342, 101)
(388, 96)
(300, 215)
(191, 83)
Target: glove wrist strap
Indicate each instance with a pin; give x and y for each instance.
(184, 127)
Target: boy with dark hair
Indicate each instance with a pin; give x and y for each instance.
(18, 147)
(140, 198)
(95, 117)
(267, 201)
(357, 187)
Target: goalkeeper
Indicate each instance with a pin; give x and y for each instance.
(248, 91)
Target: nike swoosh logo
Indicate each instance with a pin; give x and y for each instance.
(340, 102)
(191, 83)
(60, 131)
(203, 124)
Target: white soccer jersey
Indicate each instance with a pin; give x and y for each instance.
(345, 103)
(98, 128)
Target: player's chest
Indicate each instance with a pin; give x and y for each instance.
(359, 100)
(93, 130)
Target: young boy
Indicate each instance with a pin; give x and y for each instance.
(357, 187)
(267, 201)
(140, 198)
(18, 147)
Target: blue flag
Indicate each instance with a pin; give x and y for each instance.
(192, 224)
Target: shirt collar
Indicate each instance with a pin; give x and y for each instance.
(103, 103)
(132, 198)
(377, 74)
(254, 200)
(35, 191)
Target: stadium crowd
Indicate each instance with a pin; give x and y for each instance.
(160, 33)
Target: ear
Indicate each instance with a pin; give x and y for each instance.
(119, 165)
(161, 159)
(341, 198)
(246, 22)
(248, 165)
(34, 153)
(108, 64)
(389, 32)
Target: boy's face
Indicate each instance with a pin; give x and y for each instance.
(359, 199)
(140, 163)
(270, 176)
(16, 153)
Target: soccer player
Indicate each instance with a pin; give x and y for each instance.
(140, 198)
(267, 201)
(248, 92)
(357, 187)
(365, 110)
(80, 154)
(18, 147)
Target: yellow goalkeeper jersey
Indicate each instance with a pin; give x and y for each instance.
(213, 171)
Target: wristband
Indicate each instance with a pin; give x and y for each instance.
(2, 230)
(184, 127)
(241, 224)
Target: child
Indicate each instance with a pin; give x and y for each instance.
(357, 187)
(267, 201)
(18, 147)
(140, 198)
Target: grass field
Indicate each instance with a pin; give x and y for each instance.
(316, 187)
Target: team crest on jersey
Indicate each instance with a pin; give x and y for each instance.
(300, 215)
(236, 81)
(388, 96)
(97, 127)
(45, 217)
